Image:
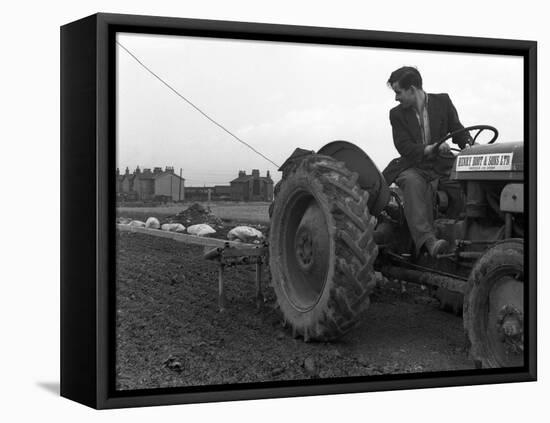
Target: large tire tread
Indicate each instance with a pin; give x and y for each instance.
(353, 279)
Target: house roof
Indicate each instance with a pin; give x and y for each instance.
(157, 175)
(145, 176)
(251, 177)
(160, 175)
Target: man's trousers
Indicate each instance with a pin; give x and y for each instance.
(418, 186)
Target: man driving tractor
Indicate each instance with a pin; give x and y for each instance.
(418, 122)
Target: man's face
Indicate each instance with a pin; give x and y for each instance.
(407, 97)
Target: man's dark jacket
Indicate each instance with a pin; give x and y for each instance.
(407, 136)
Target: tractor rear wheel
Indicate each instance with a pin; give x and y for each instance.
(493, 306)
(322, 249)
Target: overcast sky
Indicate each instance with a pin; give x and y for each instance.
(279, 96)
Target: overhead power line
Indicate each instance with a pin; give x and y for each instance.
(193, 105)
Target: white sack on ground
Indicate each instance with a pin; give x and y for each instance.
(202, 229)
(173, 227)
(245, 234)
(152, 223)
(137, 223)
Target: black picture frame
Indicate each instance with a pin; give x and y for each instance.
(87, 214)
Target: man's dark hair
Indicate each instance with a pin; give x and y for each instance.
(406, 76)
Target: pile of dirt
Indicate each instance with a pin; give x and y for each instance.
(195, 214)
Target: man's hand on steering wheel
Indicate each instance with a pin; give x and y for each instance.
(444, 148)
(432, 149)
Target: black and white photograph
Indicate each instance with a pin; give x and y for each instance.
(307, 212)
(275, 211)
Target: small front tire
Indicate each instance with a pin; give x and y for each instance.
(493, 307)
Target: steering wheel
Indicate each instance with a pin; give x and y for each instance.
(480, 129)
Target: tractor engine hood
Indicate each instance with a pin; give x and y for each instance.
(492, 162)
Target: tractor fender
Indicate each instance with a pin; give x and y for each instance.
(370, 178)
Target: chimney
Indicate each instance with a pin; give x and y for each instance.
(127, 172)
(169, 169)
(242, 173)
(146, 171)
(268, 175)
(137, 171)
(256, 173)
(157, 170)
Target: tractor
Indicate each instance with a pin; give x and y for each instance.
(337, 228)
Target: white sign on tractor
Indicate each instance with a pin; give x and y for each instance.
(483, 162)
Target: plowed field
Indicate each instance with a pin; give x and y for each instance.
(169, 331)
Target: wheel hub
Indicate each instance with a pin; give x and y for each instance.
(505, 320)
(304, 248)
(307, 250)
(510, 328)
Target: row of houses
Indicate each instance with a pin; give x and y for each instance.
(165, 185)
(147, 185)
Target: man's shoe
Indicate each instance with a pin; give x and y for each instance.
(436, 246)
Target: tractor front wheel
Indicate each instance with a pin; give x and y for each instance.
(321, 249)
(493, 307)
